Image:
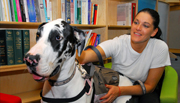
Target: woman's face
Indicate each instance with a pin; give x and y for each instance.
(142, 28)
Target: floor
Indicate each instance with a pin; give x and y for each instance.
(176, 66)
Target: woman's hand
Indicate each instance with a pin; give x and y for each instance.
(113, 93)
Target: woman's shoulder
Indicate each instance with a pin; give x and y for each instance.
(158, 44)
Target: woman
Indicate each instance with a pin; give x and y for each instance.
(139, 56)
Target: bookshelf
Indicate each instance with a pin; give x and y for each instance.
(17, 81)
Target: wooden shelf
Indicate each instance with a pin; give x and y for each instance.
(31, 96)
(118, 27)
(28, 25)
(31, 25)
(10, 68)
(174, 50)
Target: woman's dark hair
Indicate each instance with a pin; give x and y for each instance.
(154, 14)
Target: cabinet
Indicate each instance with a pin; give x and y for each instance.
(16, 80)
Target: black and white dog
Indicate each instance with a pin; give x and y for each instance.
(52, 60)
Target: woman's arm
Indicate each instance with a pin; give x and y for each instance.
(90, 56)
(152, 80)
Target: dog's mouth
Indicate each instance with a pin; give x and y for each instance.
(38, 77)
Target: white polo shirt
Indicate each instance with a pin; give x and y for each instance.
(131, 63)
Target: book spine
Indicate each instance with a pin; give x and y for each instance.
(133, 13)
(22, 10)
(18, 47)
(26, 10)
(67, 11)
(95, 13)
(78, 11)
(31, 11)
(48, 10)
(18, 11)
(84, 12)
(75, 11)
(36, 3)
(25, 41)
(10, 47)
(12, 10)
(72, 11)
(89, 11)
(3, 11)
(93, 39)
(63, 9)
(9, 8)
(15, 11)
(1, 17)
(45, 10)
(3, 59)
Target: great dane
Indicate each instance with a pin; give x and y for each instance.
(52, 59)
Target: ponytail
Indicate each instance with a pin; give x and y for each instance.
(158, 34)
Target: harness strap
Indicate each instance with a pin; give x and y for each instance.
(62, 100)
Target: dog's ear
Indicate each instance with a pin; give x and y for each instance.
(38, 34)
(80, 40)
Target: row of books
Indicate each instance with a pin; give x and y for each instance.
(92, 38)
(79, 11)
(25, 10)
(126, 13)
(13, 46)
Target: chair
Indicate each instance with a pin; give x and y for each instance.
(7, 98)
(169, 90)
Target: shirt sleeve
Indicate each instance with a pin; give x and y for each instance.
(161, 55)
(109, 47)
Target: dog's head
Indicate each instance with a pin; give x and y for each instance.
(56, 42)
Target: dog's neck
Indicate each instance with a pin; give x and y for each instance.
(66, 69)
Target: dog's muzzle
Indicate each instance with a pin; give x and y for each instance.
(32, 62)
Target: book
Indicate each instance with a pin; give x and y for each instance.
(121, 14)
(63, 9)
(1, 11)
(48, 10)
(92, 13)
(26, 10)
(72, 11)
(18, 53)
(15, 11)
(89, 11)
(45, 10)
(93, 39)
(87, 36)
(9, 8)
(95, 18)
(6, 47)
(133, 13)
(84, 12)
(25, 42)
(31, 11)
(40, 11)
(67, 11)
(126, 13)
(12, 10)
(78, 11)
(5, 10)
(75, 11)
(97, 42)
(18, 11)
(22, 10)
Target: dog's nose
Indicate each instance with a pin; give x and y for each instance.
(32, 60)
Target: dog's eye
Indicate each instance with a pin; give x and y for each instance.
(59, 38)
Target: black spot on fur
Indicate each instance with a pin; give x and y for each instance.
(60, 60)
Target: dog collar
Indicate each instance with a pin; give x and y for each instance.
(59, 83)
